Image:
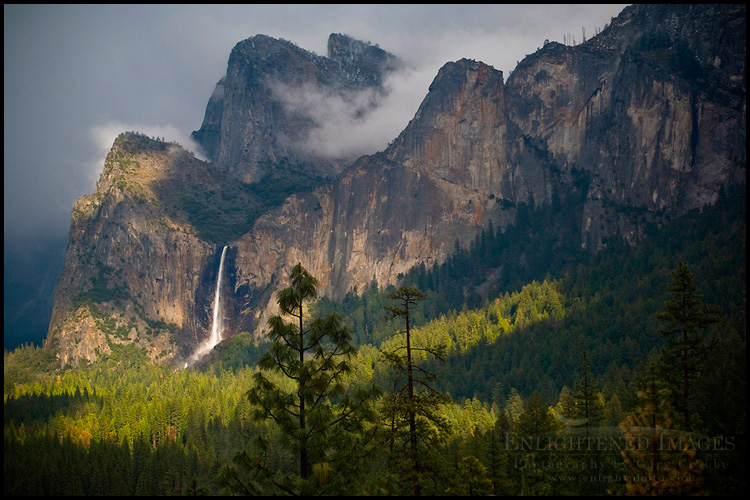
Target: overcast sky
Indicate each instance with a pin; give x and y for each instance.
(78, 75)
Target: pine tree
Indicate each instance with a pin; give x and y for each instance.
(314, 357)
(685, 314)
(588, 405)
(474, 478)
(613, 411)
(565, 403)
(194, 489)
(498, 401)
(496, 456)
(536, 419)
(514, 405)
(658, 460)
(416, 403)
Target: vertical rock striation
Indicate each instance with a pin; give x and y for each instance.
(653, 108)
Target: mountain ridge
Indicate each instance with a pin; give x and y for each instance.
(610, 120)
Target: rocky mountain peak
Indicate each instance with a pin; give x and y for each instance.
(366, 64)
(345, 48)
(265, 58)
(262, 112)
(457, 132)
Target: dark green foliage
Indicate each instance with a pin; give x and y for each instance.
(241, 350)
(160, 324)
(412, 407)
(719, 402)
(676, 55)
(365, 314)
(685, 314)
(100, 290)
(224, 216)
(210, 223)
(316, 410)
(536, 419)
(134, 142)
(25, 364)
(280, 182)
(586, 399)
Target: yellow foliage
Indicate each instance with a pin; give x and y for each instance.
(321, 471)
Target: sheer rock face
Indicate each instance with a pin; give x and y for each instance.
(460, 132)
(255, 119)
(653, 108)
(440, 181)
(134, 271)
(649, 115)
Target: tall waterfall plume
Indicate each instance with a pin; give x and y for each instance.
(216, 326)
(215, 337)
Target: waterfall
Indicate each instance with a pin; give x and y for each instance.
(216, 327)
(215, 337)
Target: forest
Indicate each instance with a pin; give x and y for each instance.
(522, 365)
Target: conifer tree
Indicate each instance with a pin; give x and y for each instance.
(514, 405)
(565, 403)
(496, 456)
(475, 480)
(498, 401)
(612, 411)
(314, 356)
(659, 461)
(415, 404)
(194, 489)
(685, 314)
(536, 419)
(588, 406)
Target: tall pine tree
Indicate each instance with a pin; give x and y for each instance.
(658, 460)
(588, 406)
(685, 314)
(416, 403)
(314, 356)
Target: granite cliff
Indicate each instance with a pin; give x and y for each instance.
(644, 121)
(134, 265)
(653, 109)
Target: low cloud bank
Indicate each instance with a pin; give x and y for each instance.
(353, 124)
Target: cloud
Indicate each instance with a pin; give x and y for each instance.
(352, 124)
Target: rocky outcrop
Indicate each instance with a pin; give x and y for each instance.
(630, 118)
(258, 116)
(135, 271)
(653, 108)
(442, 180)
